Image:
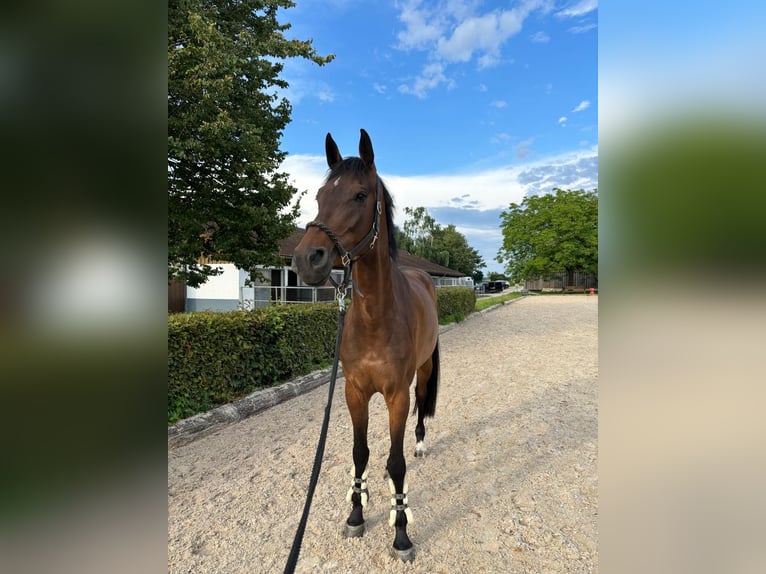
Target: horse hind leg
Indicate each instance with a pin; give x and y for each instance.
(425, 398)
(420, 428)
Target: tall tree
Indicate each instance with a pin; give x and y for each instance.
(226, 198)
(460, 256)
(424, 237)
(419, 231)
(550, 233)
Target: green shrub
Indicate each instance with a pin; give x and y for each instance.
(455, 303)
(214, 358)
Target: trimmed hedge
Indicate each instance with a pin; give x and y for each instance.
(215, 358)
(455, 303)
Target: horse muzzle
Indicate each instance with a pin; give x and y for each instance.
(313, 264)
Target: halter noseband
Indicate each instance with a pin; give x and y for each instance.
(348, 258)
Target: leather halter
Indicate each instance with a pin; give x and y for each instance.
(348, 258)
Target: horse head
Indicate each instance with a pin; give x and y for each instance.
(348, 220)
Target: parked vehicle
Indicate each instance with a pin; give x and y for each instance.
(495, 286)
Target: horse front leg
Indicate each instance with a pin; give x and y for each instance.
(400, 513)
(358, 408)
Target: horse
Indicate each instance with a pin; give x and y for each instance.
(391, 328)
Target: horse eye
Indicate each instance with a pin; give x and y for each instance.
(361, 196)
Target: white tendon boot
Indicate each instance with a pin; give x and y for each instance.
(399, 502)
(358, 485)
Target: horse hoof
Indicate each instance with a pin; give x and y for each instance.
(404, 555)
(419, 453)
(354, 531)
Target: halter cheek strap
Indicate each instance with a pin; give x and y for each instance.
(348, 258)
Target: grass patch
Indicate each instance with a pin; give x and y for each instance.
(452, 318)
(482, 304)
(559, 292)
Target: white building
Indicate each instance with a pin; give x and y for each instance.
(229, 290)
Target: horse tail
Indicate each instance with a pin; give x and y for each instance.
(432, 387)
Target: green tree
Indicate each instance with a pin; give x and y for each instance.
(419, 231)
(460, 256)
(424, 237)
(226, 197)
(550, 233)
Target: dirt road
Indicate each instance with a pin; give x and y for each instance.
(509, 483)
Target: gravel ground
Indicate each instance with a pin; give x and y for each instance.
(509, 483)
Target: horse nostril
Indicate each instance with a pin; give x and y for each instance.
(317, 257)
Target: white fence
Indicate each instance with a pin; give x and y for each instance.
(453, 281)
(265, 295)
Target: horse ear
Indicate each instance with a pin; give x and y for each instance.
(331, 149)
(365, 149)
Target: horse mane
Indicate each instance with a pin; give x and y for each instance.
(355, 166)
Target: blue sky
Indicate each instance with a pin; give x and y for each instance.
(470, 105)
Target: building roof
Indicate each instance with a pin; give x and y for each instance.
(287, 247)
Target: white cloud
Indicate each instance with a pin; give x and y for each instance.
(581, 106)
(306, 173)
(578, 9)
(381, 89)
(563, 121)
(480, 33)
(499, 104)
(523, 149)
(541, 38)
(581, 28)
(481, 189)
(470, 200)
(431, 77)
(301, 85)
(488, 61)
(452, 32)
(485, 232)
(326, 95)
(421, 26)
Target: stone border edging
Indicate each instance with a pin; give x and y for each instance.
(200, 424)
(186, 430)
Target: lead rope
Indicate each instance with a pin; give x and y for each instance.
(292, 560)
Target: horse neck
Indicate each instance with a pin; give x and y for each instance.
(374, 277)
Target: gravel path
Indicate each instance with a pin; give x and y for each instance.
(509, 483)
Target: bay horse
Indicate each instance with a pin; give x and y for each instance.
(391, 328)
